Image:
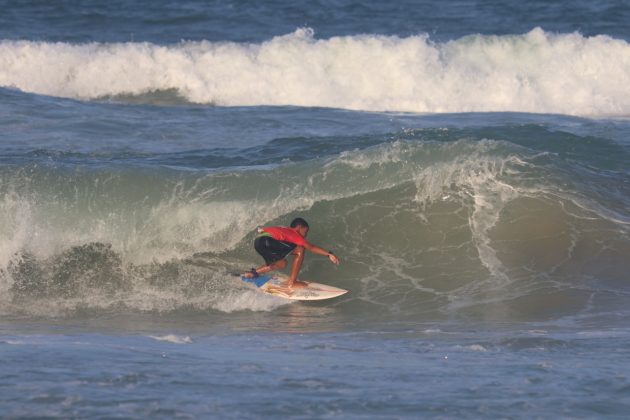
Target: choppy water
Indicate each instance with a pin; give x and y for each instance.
(468, 163)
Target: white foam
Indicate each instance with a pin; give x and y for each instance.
(476, 347)
(172, 338)
(534, 72)
(210, 292)
(13, 342)
(250, 300)
(15, 225)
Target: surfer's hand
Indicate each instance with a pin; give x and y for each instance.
(333, 258)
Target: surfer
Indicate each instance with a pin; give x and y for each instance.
(275, 243)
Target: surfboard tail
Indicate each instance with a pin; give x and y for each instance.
(259, 281)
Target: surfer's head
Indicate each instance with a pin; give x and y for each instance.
(300, 225)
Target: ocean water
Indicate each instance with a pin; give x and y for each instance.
(467, 161)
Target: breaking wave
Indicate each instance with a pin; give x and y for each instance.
(429, 223)
(538, 72)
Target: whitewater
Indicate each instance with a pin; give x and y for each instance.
(538, 71)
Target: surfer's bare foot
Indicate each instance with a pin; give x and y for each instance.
(297, 284)
(251, 274)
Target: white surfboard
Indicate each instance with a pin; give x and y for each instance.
(274, 285)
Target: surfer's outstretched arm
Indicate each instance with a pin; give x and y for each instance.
(299, 258)
(321, 251)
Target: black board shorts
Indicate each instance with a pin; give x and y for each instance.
(272, 250)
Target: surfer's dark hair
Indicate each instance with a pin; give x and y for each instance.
(298, 221)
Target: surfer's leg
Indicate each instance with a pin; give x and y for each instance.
(273, 252)
(276, 265)
(298, 259)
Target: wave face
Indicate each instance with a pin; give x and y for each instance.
(502, 223)
(537, 72)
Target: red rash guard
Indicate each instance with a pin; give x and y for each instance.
(285, 234)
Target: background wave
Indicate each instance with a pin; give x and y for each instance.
(536, 72)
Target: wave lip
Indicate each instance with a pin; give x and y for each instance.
(536, 72)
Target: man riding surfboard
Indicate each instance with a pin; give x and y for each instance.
(276, 242)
